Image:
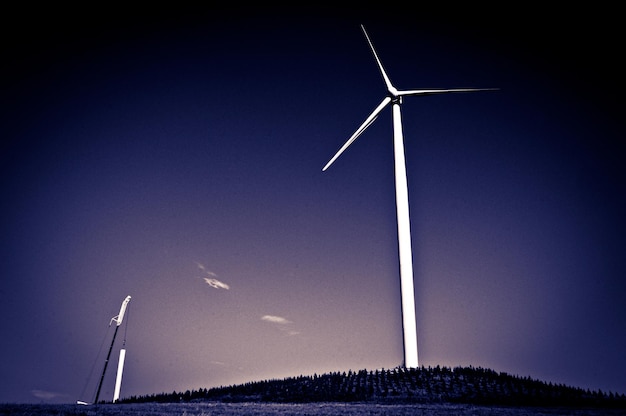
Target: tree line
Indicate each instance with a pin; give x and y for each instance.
(470, 385)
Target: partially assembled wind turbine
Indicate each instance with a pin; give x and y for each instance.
(394, 96)
(120, 367)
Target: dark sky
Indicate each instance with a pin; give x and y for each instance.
(152, 152)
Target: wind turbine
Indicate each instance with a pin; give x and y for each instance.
(120, 367)
(394, 96)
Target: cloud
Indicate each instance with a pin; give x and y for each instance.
(45, 395)
(283, 324)
(212, 279)
(216, 283)
(208, 272)
(275, 319)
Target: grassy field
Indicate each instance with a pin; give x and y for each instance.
(322, 409)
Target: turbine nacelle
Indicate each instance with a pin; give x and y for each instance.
(118, 319)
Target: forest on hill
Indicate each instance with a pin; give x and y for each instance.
(466, 385)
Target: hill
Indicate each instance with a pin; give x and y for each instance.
(467, 385)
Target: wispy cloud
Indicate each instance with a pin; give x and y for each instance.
(212, 279)
(204, 269)
(275, 319)
(46, 395)
(283, 324)
(216, 283)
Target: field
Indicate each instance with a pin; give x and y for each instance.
(322, 409)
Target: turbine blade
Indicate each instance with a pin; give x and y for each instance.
(369, 120)
(390, 86)
(431, 92)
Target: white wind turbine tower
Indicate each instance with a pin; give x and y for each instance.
(394, 97)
